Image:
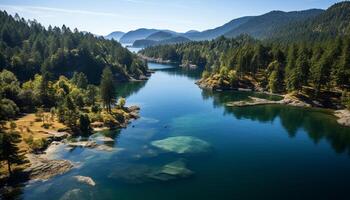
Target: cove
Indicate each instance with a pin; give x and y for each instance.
(259, 152)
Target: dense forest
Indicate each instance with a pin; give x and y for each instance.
(318, 66)
(26, 47)
(54, 73)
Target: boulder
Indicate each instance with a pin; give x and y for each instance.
(343, 117)
(104, 139)
(182, 144)
(85, 179)
(97, 124)
(133, 108)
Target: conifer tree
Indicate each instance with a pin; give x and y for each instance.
(107, 88)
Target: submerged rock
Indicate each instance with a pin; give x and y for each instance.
(182, 144)
(104, 139)
(137, 174)
(85, 179)
(72, 194)
(105, 148)
(134, 174)
(172, 171)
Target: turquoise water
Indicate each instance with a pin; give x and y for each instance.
(262, 152)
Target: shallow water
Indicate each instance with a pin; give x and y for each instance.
(261, 152)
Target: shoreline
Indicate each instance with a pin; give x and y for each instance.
(43, 166)
(342, 116)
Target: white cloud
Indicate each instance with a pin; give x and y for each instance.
(37, 9)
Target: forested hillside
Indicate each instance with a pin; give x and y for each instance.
(244, 61)
(330, 24)
(262, 27)
(27, 48)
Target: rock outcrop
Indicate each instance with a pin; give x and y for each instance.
(343, 117)
(85, 179)
(43, 168)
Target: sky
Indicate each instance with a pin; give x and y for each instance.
(104, 16)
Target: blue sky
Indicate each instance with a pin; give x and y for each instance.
(104, 16)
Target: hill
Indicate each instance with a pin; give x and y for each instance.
(140, 34)
(216, 32)
(160, 35)
(27, 48)
(264, 26)
(116, 35)
(335, 21)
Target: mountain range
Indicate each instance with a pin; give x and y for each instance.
(281, 25)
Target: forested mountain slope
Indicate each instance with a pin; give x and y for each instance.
(26, 48)
(264, 26)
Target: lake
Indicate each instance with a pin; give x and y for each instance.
(261, 152)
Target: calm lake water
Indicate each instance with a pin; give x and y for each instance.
(262, 152)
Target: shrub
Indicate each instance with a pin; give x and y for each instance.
(121, 102)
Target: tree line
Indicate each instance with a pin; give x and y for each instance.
(278, 67)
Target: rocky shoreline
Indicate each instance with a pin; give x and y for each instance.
(43, 166)
(296, 100)
(342, 115)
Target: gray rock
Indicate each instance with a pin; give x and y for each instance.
(43, 168)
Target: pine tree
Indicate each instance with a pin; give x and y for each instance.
(107, 88)
(343, 72)
(275, 76)
(290, 72)
(9, 150)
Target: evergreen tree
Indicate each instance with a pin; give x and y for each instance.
(84, 123)
(276, 77)
(107, 88)
(292, 74)
(9, 149)
(343, 72)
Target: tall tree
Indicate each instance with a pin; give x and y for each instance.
(9, 149)
(107, 88)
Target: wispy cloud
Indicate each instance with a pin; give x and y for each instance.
(36, 9)
(50, 12)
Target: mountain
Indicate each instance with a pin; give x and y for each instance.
(264, 26)
(335, 21)
(140, 34)
(216, 32)
(192, 31)
(116, 35)
(160, 35)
